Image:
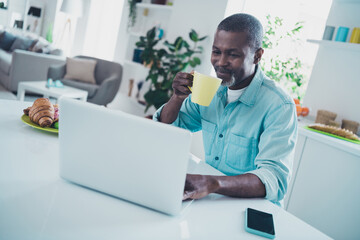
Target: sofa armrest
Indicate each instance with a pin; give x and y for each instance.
(107, 90)
(30, 66)
(56, 72)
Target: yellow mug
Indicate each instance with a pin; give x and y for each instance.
(204, 88)
(355, 36)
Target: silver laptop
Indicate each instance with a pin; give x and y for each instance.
(126, 156)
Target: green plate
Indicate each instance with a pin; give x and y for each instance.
(332, 135)
(27, 120)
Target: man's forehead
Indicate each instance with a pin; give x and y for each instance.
(230, 39)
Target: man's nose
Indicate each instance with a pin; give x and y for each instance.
(223, 60)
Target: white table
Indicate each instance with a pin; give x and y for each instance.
(40, 88)
(36, 204)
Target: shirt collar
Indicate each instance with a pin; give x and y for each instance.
(250, 94)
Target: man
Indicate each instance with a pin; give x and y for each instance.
(249, 129)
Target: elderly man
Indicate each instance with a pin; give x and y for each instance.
(249, 129)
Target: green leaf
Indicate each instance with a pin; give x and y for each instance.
(203, 38)
(178, 43)
(193, 35)
(170, 46)
(192, 63)
(196, 60)
(151, 33)
(156, 97)
(140, 44)
(186, 44)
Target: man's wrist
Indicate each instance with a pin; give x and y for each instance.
(214, 184)
(175, 99)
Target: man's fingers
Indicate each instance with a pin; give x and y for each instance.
(184, 90)
(183, 82)
(188, 195)
(184, 75)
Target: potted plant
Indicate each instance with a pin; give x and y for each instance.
(132, 12)
(166, 62)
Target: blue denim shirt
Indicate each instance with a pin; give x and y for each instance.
(255, 134)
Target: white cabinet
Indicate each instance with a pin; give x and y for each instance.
(300, 143)
(326, 188)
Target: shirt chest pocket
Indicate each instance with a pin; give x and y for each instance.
(241, 152)
(209, 132)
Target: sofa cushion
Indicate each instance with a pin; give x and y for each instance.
(22, 43)
(90, 88)
(5, 62)
(80, 69)
(6, 41)
(43, 46)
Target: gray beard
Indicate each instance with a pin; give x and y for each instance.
(230, 83)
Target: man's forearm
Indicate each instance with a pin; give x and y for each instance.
(171, 110)
(245, 186)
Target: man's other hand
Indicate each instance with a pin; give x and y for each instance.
(199, 186)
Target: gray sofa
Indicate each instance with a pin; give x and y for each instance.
(22, 65)
(108, 76)
(25, 56)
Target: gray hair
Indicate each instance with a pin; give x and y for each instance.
(242, 22)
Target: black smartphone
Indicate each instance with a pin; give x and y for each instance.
(259, 223)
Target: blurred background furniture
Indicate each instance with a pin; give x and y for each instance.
(25, 57)
(40, 87)
(107, 75)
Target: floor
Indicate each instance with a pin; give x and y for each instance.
(123, 103)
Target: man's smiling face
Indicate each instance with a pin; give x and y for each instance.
(232, 58)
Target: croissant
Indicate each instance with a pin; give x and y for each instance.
(335, 130)
(41, 112)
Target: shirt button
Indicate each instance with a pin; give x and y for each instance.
(216, 158)
(220, 136)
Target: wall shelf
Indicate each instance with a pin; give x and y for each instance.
(134, 64)
(154, 6)
(334, 44)
(137, 34)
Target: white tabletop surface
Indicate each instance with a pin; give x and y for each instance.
(36, 204)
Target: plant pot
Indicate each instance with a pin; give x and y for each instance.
(150, 64)
(162, 2)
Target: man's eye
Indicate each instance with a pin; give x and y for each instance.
(216, 52)
(234, 55)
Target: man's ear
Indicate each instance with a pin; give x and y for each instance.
(258, 54)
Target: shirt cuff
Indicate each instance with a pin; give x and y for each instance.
(270, 183)
(156, 116)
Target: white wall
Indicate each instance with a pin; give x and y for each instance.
(100, 34)
(18, 6)
(201, 15)
(122, 38)
(80, 30)
(49, 15)
(13, 6)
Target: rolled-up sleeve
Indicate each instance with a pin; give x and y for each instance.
(274, 160)
(188, 118)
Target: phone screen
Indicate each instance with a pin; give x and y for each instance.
(260, 221)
